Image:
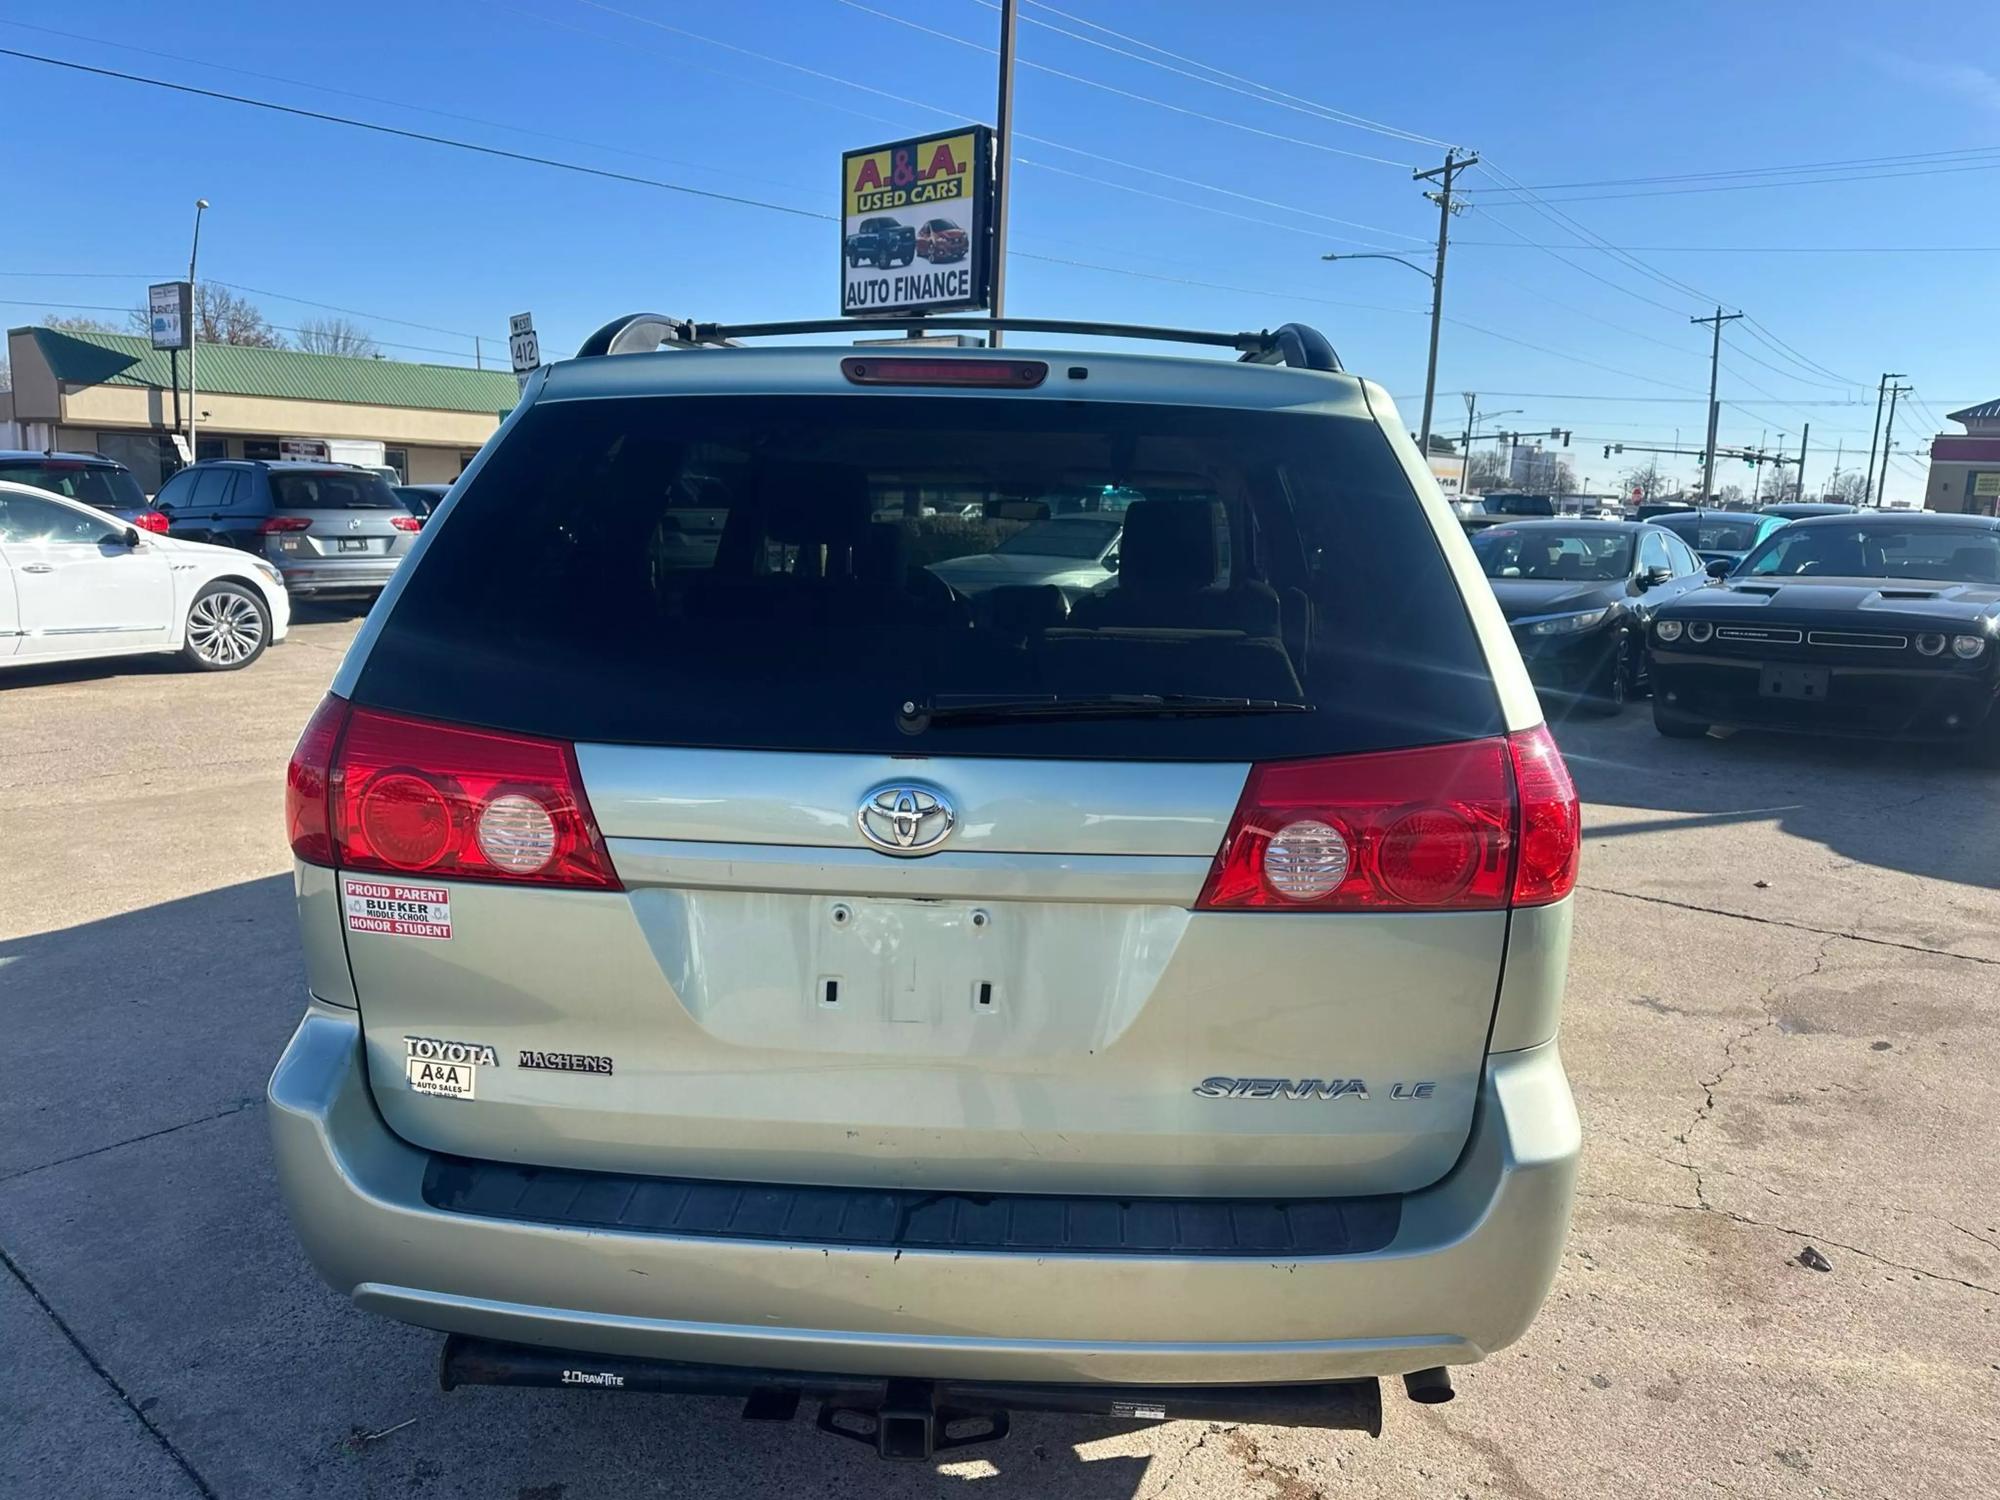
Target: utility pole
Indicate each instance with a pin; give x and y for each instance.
(1875, 433)
(1443, 176)
(1889, 440)
(194, 318)
(1757, 485)
(1004, 166)
(1802, 459)
(1465, 453)
(1714, 411)
(478, 354)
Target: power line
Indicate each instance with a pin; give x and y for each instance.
(1852, 161)
(274, 327)
(1754, 359)
(1771, 339)
(443, 114)
(1108, 88)
(1524, 244)
(414, 135)
(1747, 187)
(1263, 93)
(925, 105)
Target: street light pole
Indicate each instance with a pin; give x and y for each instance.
(194, 323)
(1444, 175)
(1004, 166)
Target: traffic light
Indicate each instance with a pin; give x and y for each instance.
(1607, 450)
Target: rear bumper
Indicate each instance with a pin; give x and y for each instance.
(1468, 1267)
(332, 576)
(1864, 700)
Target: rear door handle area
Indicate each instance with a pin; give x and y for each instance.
(38, 567)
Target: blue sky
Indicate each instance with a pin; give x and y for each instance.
(102, 176)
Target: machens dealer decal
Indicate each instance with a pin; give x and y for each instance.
(419, 911)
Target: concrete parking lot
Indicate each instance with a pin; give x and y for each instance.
(1781, 1026)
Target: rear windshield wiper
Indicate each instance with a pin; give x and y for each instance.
(917, 715)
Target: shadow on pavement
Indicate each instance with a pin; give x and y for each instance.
(1926, 810)
(137, 1197)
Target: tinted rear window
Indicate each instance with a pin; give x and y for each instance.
(784, 572)
(331, 489)
(1714, 533)
(101, 485)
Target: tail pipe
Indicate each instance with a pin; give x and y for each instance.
(913, 1418)
(1431, 1387)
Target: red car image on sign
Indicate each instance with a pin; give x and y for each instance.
(422, 911)
(940, 241)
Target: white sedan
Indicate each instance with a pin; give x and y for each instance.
(77, 583)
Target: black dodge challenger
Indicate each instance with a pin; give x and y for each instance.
(1874, 624)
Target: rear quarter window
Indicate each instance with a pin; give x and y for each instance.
(782, 573)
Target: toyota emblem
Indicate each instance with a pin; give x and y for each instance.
(902, 819)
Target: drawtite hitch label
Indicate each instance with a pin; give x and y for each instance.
(419, 911)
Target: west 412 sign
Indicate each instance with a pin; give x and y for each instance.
(915, 224)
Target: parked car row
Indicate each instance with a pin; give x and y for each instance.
(1842, 623)
(89, 567)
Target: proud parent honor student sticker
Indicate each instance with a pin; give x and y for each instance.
(418, 911)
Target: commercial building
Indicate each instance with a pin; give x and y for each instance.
(115, 394)
(1965, 471)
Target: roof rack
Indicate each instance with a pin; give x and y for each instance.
(1294, 344)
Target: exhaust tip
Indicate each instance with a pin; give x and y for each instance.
(1430, 1387)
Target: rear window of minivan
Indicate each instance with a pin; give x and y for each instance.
(785, 572)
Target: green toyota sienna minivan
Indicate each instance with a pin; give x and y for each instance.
(742, 962)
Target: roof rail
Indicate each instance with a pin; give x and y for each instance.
(1294, 344)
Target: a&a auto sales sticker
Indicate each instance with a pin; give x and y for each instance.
(419, 911)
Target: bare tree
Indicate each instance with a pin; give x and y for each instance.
(1731, 494)
(1651, 480)
(1566, 482)
(1487, 471)
(222, 317)
(77, 325)
(1849, 486)
(337, 336)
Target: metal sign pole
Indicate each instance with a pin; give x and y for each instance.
(1003, 164)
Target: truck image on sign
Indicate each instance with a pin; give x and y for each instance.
(881, 242)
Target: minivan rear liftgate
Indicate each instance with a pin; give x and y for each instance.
(802, 956)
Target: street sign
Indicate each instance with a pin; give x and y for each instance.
(522, 345)
(916, 224)
(1986, 484)
(1638, 492)
(170, 313)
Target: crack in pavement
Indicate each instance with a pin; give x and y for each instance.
(166, 1444)
(1180, 1462)
(1708, 1086)
(1802, 1234)
(1740, 916)
(220, 1114)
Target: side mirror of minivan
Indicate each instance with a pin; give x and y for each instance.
(1652, 578)
(1720, 567)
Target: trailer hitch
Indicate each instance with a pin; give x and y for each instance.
(906, 1418)
(909, 1424)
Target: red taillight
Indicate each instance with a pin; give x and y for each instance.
(1460, 827)
(283, 523)
(407, 523)
(1021, 374)
(307, 780)
(1551, 824)
(150, 520)
(375, 791)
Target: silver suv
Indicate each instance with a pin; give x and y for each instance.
(744, 962)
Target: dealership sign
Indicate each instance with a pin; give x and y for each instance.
(915, 225)
(170, 313)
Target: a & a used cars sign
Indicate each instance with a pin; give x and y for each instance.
(915, 224)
